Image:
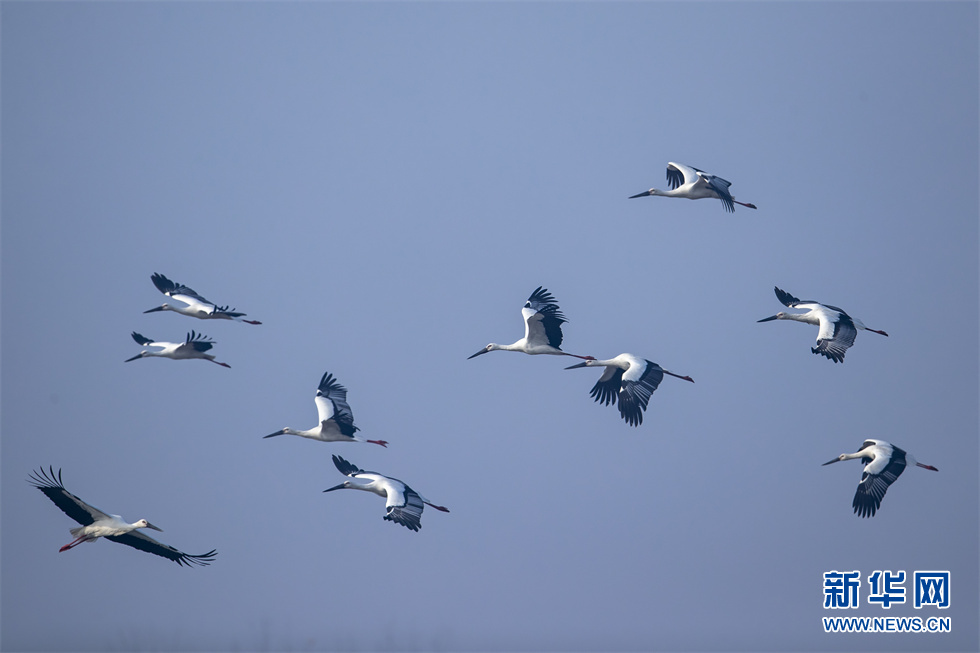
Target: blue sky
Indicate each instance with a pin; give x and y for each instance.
(382, 185)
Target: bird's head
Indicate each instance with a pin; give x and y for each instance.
(162, 307)
(145, 524)
(489, 347)
(282, 431)
(139, 355)
(778, 316)
(652, 191)
(342, 486)
(590, 362)
(839, 458)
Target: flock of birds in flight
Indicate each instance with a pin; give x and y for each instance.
(626, 380)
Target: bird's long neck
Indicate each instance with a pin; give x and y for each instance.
(864, 453)
(368, 485)
(311, 433)
(806, 318)
(183, 310)
(609, 362)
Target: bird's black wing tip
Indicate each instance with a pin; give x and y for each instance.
(543, 295)
(837, 357)
(410, 524)
(785, 298)
(202, 560)
(162, 283)
(42, 479)
(329, 383)
(345, 467)
(865, 506)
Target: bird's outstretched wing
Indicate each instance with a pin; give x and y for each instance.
(720, 186)
(54, 489)
(331, 404)
(787, 299)
(406, 509)
(635, 394)
(871, 490)
(543, 318)
(223, 310)
(679, 174)
(141, 339)
(346, 468)
(146, 543)
(170, 289)
(843, 337)
(198, 341)
(606, 389)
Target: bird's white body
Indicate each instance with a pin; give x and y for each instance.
(195, 346)
(837, 329)
(106, 526)
(336, 423)
(193, 304)
(884, 463)
(96, 524)
(694, 184)
(629, 379)
(403, 505)
(542, 328)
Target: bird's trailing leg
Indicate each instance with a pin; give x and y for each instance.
(71, 545)
(257, 322)
(876, 331)
(383, 443)
(686, 378)
(435, 506)
(918, 464)
(751, 206)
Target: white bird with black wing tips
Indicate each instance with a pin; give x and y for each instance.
(195, 346)
(192, 304)
(837, 329)
(336, 419)
(403, 506)
(883, 464)
(631, 380)
(693, 184)
(542, 328)
(96, 524)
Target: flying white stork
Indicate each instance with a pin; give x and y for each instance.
(883, 464)
(96, 524)
(694, 184)
(837, 329)
(336, 419)
(193, 304)
(629, 378)
(403, 506)
(195, 346)
(542, 328)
